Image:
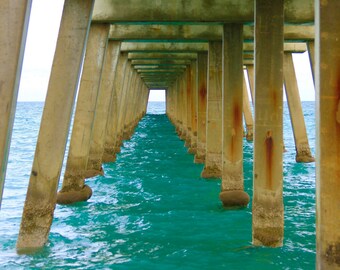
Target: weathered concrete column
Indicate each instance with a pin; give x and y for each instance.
(188, 106)
(128, 78)
(42, 189)
(179, 116)
(110, 149)
(232, 187)
(146, 99)
(169, 103)
(202, 67)
(251, 78)
(213, 156)
(268, 143)
(327, 81)
(74, 188)
(104, 99)
(136, 105)
(193, 145)
(311, 54)
(303, 153)
(129, 105)
(248, 116)
(14, 16)
(183, 110)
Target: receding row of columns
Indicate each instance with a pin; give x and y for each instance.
(222, 98)
(203, 104)
(111, 100)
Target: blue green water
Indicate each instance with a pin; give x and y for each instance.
(153, 211)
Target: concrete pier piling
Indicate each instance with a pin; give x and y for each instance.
(303, 153)
(232, 194)
(327, 81)
(213, 154)
(197, 55)
(188, 106)
(104, 100)
(248, 116)
(14, 16)
(74, 188)
(193, 146)
(268, 141)
(42, 189)
(202, 64)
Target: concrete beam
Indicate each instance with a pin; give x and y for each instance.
(295, 11)
(163, 47)
(165, 70)
(159, 62)
(140, 55)
(159, 66)
(198, 32)
(194, 47)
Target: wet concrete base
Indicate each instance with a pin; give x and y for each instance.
(249, 137)
(74, 195)
(234, 198)
(268, 221)
(93, 172)
(211, 172)
(304, 157)
(35, 226)
(192, 150)
(108, 158)
(199, 159)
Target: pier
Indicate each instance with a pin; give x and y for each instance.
(110, 54)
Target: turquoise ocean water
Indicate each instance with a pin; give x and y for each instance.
(153, 211)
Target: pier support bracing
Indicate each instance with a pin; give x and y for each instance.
(14, 16)
(268, 142)
(104, 99)
(202, 64)
(303, 153)
(42, 190)
(327, 79)
(213, 156)
(74, 188)
(232, 194)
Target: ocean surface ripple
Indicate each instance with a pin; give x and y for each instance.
(152, 210)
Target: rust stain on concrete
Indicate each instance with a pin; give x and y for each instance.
(269, 159)
(203, 93)
(237, 122)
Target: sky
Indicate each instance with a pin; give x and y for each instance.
(40, 46)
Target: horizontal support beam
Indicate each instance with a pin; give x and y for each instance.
(159, 66)
(158, 74)
(195, 47)
(142, 55)
(162, 47)
(114, 11)
(200, 32)
(160, 62)
(173, 70)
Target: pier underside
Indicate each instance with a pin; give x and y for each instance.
(207, 55)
